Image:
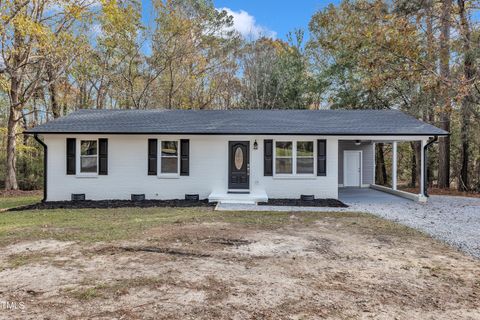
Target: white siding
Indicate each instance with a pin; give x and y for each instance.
(127, 170)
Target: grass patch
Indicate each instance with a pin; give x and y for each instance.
(85, 294)
(21, 259)
(90, 225)
(17, 201)
(372, 225)
(17, 260)
(96, 225)
(113, 288)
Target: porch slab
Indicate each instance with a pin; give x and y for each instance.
(250, 198)
(351, 196)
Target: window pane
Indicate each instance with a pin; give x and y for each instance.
(283, 148)
(305, 148)
(169, 148)
(169, 165)
(88, 164)
(238, 158)
(304, 165)
(283, 165)
(88, 148)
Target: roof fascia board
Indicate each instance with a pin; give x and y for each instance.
(386, 136)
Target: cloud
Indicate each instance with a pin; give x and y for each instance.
(245, 24)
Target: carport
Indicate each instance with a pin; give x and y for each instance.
(356, 164)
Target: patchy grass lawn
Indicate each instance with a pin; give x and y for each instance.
(94, 225)
(9, 200)
(169, 263)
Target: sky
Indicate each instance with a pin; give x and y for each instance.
(254, 18)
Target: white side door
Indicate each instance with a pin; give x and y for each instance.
(352, 168)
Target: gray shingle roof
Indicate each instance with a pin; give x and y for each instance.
(307, 122)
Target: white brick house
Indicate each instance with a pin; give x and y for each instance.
(235, 156)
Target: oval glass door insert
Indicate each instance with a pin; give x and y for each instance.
(238, 158)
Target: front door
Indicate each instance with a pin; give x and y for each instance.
(352, 168)
(239, 165)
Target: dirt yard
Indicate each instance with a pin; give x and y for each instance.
(230, 265)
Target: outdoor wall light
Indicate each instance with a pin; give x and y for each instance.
(255, 145)
(357, 142)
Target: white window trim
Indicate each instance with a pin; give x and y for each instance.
(294, 174)
(161, 175)
(78, 160)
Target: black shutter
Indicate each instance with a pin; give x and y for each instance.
(71, 155)
(268, 157)
(103, 156)
(152, 157)
(184, 157)
(321, 157)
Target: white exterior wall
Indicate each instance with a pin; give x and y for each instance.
(127, 169)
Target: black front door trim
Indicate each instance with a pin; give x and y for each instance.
(239, 179)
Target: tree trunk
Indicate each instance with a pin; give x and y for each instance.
(14, 110)
(415, 166)
(444, 142)
(463, 178)
(467, 101)
(418, 160)
(380, 169)
(13, 118)
(52, 88)
(429, 111)
(477, 187)
(102, 93)
(11, 174)
(83, 101)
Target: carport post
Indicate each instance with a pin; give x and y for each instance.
(394, 165)
(422, 197)
(374, 163)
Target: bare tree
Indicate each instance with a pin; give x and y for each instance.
(34, 34)
(467, 100)
(445, 99)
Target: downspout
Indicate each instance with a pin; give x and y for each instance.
(425, 158)
(44, 166)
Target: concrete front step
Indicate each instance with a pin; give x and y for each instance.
(252, 197)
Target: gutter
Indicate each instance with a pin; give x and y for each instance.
(425, 158)
(45, 149)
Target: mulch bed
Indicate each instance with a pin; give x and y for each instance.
(109, 204)
(302, 203)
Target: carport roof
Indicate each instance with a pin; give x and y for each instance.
(267, 122)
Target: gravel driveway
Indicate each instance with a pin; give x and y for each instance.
(455, 220)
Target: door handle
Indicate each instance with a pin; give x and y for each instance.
(248, 169)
